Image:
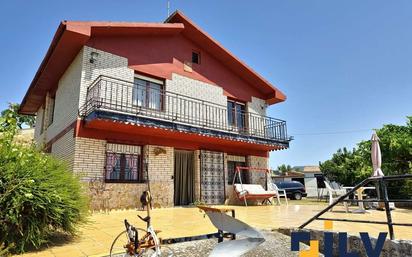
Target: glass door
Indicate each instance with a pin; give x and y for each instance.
(236, 115)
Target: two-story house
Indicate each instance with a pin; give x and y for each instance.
(159, 104)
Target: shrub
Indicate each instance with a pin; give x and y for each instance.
(38, 196)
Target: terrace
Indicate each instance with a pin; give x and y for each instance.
(114, 99)
(96, 237)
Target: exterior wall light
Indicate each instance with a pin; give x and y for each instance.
(93, 56)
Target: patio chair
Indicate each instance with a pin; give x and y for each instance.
(279, 192)
(334, 194)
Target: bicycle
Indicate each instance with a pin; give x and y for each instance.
(127, 243)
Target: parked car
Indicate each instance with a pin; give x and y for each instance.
(294, 189)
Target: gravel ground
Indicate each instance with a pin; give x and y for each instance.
(276, 244)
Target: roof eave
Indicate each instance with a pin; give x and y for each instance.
(276, 97)
(53, 44)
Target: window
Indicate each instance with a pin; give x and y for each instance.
(43, 115)
(51, 111)
(231, 168)
(196, 57)
(124, 164)
(147, 94)
(236, 115)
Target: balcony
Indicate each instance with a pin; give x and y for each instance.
(114, 99)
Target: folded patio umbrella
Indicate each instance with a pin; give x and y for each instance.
(376, 156)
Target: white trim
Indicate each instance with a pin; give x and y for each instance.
(149, 79)
(120, 148)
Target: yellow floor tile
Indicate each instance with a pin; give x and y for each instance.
(96, 237)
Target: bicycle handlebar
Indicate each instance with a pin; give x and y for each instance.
(145, 219)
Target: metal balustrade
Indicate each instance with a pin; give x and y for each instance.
(119, 96)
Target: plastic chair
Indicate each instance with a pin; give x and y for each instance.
(279, 192)
(338, 193)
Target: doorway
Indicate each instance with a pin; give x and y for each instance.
(184, 177)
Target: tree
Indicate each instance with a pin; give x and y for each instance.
(351, 167)
(12, 113)
(284, 168)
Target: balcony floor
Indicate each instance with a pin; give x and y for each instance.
(163, 132)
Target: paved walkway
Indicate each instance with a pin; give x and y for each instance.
(96, 237)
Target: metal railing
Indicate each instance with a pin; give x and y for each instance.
(119, 96)
(382, 189)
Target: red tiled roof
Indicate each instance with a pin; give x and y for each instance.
(71, 36)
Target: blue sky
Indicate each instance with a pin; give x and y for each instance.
(345, 66)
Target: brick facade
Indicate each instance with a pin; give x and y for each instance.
(106, 64)
(64, 148)
(87, 156)
(160, 161)
(66, 98)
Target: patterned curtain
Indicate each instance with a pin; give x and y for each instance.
(112, 166)
(131, 167)
(120, 166)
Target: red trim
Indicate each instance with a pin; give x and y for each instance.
(196, 34)
(139, 135)
(239, 168)
(71, 36)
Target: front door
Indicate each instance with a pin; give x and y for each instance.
(212, 176)
(184, 178)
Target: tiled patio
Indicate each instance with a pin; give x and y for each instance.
(96, 237)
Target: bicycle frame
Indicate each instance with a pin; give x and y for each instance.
(156, 240)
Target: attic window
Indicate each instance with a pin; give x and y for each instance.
(196, 57)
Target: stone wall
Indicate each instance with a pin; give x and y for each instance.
(111, 196)
(257, 162)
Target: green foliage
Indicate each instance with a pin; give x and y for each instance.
(10, 118)
(4, 251)
(38, 194)
(351, 167)
(284, 168)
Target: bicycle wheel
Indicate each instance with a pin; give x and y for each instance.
(118, 246)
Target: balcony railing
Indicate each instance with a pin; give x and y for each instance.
(119, 96)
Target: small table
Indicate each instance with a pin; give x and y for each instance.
(359, 192)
